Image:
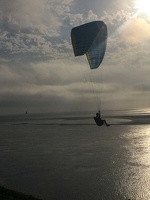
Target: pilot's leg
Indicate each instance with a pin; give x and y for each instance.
(106, 123)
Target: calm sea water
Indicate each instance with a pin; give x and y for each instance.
(68, 157)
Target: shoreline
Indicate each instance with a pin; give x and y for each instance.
(8, 194)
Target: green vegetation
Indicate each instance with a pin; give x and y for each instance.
(6, 194)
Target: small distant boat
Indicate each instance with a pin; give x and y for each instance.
(26, 113)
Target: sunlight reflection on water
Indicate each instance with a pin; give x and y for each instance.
(136, 173)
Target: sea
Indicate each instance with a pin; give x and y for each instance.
(66, 156)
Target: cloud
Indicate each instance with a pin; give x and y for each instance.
(32, 27)
(116, 18)
(26, 15)
(135, 31)
(128, 40)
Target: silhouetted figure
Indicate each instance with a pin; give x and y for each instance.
(100, 121)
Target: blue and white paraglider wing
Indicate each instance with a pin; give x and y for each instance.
(90, 39)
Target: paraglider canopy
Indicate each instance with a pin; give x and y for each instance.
(90, 39)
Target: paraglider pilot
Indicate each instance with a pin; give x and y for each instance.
(100, 121)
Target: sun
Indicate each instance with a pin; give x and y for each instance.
(143, 6)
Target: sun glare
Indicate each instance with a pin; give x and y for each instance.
(143, 6)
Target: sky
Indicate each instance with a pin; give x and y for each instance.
(39, 72)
